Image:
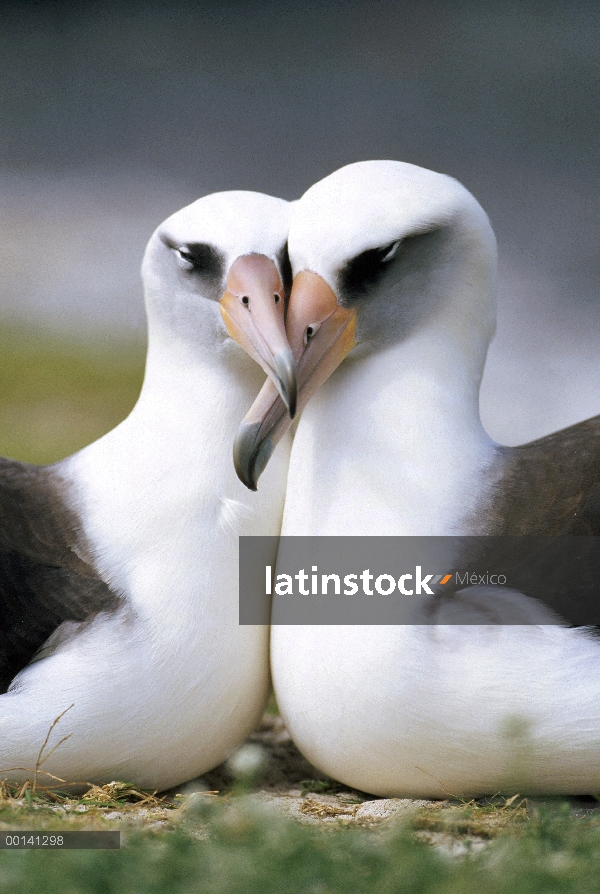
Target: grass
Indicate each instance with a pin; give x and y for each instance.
(57, 396)
(228, 844)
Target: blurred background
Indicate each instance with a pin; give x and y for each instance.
(114, 115)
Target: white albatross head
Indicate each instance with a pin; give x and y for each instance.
(218, 269)
(381, 251)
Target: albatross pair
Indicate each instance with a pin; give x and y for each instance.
(396, 266)
(118, 565)
(121, 562)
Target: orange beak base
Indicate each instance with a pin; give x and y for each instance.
(321, 334)
(253, 308)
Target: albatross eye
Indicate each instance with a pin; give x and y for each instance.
(363, 271)
(187, 257)
(197, 257)
(391, 251)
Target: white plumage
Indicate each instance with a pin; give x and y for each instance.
(392, 444)
(166, 684)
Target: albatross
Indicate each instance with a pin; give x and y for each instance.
(118, 565)
(390, 318)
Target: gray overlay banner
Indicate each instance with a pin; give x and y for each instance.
(420, 580)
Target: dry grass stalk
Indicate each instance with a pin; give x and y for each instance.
(321, 809)
(40, 760)
(112, 794)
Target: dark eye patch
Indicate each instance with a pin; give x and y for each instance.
(202, 257)
(360, 273)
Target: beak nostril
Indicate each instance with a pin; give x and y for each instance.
(245, 300)
(277, 297)
(310, 331)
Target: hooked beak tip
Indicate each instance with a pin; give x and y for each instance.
(250, 455)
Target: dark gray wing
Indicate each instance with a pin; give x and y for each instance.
(43, 579)
(542, 494)
(550, 486)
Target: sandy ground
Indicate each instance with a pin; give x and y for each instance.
(286, 784)
(269, 779)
